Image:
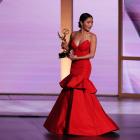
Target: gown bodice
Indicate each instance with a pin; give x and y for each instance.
(81, 49)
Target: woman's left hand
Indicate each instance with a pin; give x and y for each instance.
(73, 57)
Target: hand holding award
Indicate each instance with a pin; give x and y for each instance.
(64, 43)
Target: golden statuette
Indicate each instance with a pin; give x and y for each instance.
(65, 31)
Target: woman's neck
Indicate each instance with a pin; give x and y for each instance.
(82, 31)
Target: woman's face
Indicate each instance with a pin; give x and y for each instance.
(87, 24)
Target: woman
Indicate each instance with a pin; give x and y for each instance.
(77, 110)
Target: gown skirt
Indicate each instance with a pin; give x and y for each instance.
(77, 110)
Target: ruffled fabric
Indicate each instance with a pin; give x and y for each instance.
(75, 111)
(78, 82)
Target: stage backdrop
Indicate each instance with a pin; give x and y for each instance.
(29, 46)
(105, 26)
(131, 46)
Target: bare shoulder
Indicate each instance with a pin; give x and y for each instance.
(73, 33)
(93, 36)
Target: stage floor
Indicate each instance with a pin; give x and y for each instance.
(41, 105)
(23, 118)
(31, 128)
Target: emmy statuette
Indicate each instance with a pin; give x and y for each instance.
(65, 53)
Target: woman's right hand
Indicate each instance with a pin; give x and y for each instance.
(64, 45)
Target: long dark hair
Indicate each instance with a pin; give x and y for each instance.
(83, 17)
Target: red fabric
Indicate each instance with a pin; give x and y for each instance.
(77, 109)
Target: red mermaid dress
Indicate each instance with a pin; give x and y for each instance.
(77, 110)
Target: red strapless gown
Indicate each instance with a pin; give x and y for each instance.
(77, 110)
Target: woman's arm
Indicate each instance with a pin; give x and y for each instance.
(69, 43)
(93, 47)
